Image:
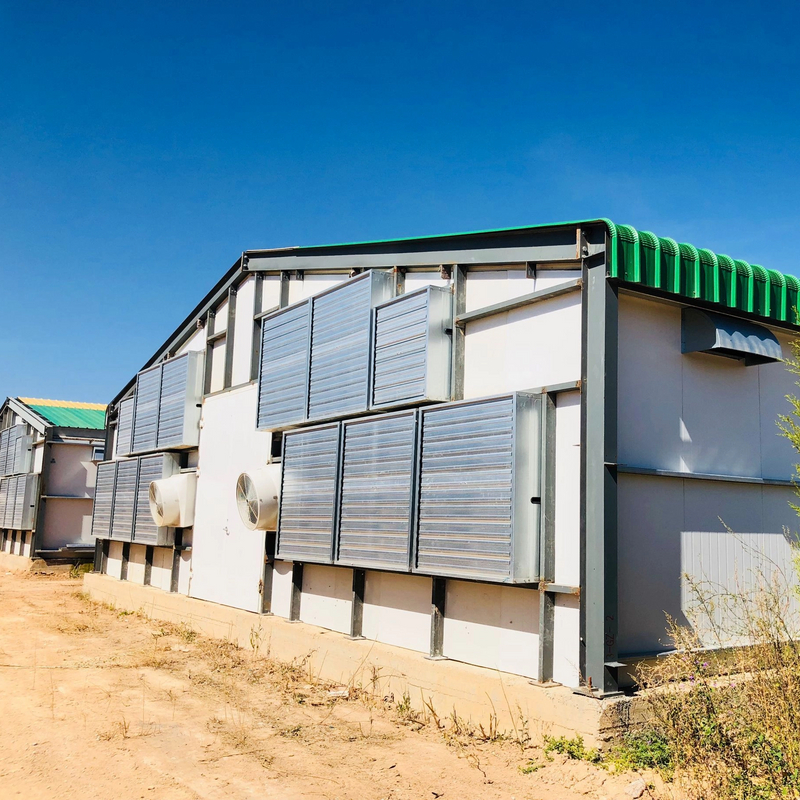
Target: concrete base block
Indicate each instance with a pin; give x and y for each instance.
(14, 563)
(479, 695)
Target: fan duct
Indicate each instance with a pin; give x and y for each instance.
(172, 500)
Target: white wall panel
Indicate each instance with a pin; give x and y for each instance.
(67, 522)
(217, 366)
(38, 457)
(161, 573)
(397, 610)
(568, 489)
(419, 280)
(490, 287)
(243, 331)
(566, 640)
(197, 341)
(227, 558)
(524, 348)
(312, 284)
(327, 597)
(282, 589)
(270, 292)
(114, 560)
(72, 471)
(547, 278)
(136, 560)
(221, 317)
(695, 412)
(492, 626)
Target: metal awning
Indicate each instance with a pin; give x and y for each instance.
(718, 334)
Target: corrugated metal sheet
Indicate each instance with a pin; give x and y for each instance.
(103, 499)
(125, 427)
(309, 480)
(11, 497)
(124, 499)
(172, 402)
(67, 413)
(340, 345)
(412, 348)
(283, 376)
(3, 500)
(375, 513)
(151, 468)
(472, 521)
(145, 422)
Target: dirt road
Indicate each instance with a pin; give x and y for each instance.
(108, 705)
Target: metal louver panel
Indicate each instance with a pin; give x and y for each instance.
(145, 530)
(145, 421)
(103, 499)
(124, 499)
(375, 511)
(283, 376)
(23, 453)
(3, 500)
(125, 427)
(412, 348)
(340, 345)
(4, 436)
(25, 504)
(11, 498)
(19, 503)
(172, 402)
(308, 493)
(478, 513)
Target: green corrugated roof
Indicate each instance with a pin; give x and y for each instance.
(641, 257)
(68, 414)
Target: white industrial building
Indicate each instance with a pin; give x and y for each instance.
(503, 448)
(49, 451)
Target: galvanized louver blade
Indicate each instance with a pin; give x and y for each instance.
(103, 498)
(145, 425)
(124, 499)
(125, 427)
(172, 401)
(308, 494)
(283, 377)
(11, 498)
(376, 494)
(151, 469)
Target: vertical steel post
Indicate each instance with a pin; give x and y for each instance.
(255, 357)
(177, 549)
(148, 564)
(357, 607)
(227, 379)
(459, 278)
(97, 566)
(126, 555)
(268, 572)
(438, 594)
(104, 560)
(547, 544)
(599, 615)
(297, 591)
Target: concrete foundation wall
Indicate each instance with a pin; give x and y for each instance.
(327, 597)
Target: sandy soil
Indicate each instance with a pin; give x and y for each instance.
(108, 705)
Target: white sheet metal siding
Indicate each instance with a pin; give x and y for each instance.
(308, 493)
(103, 499)
(172, 401)
(378, 465)
(412, 349)
(341, 323)
(283, 376)
(124, 499)
(479, 489)
(125, 427)
(145, 423)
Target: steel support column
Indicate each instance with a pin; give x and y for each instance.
(459, 278)
(126, 556)
(176, 560)
(148, 564)
(438, 594)
(357, 606)
(297, 592)
(599, 615)
(265, 586)
(547, 546)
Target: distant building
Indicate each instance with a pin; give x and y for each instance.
(49, 451)
(514, 448)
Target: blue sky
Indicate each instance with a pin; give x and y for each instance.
(143, 146)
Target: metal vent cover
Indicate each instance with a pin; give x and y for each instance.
(125, 427)
(25, 504)
(145, 530)
(3, 499)
(309, 488)
(11, 497)
(412, 347)
(377, 491)
(341, 323)
(4, 436)
(479, 490)
(103, 499)
(124, 499)
(145, 418)
(23, 453)
(283, 373)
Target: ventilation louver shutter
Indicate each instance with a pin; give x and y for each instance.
(411, 361)
(172, 403)
(479, 497)
(25, 504)
(341, 323)
(145, 423)
(376, 493)
(23, 452)
(145, 530)
(125, 427)
(308, 493)
(11, 498)
(124, 499)
(283, 376)
(4, 437)
(103, 499)
(3, 500)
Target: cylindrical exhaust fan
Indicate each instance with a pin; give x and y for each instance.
(172, 500)
(257, 494)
